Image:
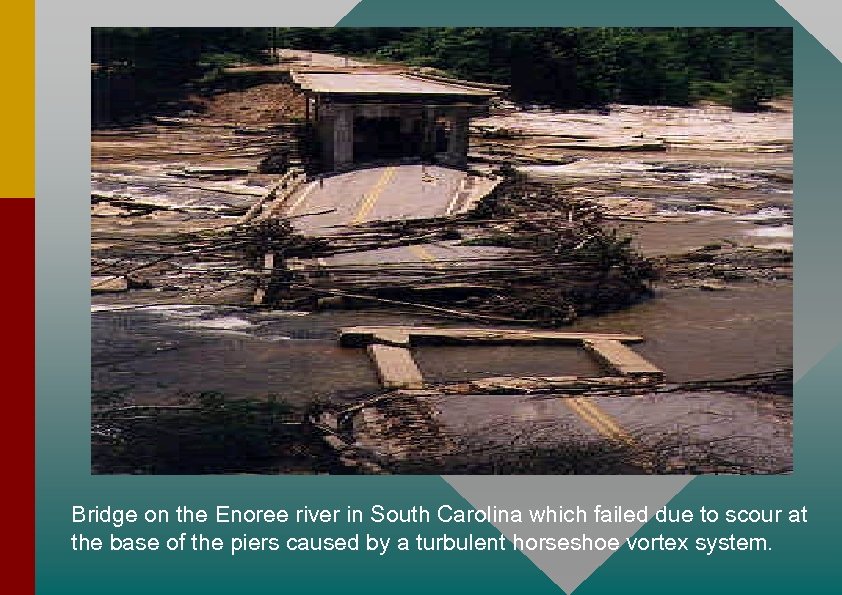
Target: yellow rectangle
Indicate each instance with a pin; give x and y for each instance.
(18, 101)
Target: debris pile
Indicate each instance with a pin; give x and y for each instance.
(711, 265)
(554, 261)
(207, 266)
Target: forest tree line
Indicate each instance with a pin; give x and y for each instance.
(564, 67)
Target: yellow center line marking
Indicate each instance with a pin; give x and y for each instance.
(372, 196)
(594, 422)
(606, 419)
(300, 200)
(599, 420)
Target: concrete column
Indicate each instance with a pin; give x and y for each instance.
(428, 134)
(457, 145)
(343, 137)
(325, 130)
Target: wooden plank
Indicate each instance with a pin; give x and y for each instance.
(621, 359)
(395, 366)
(362, 335)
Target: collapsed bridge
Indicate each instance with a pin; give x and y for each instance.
(362, 117)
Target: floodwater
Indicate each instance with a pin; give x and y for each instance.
(456, 363)
(716, 183)
(694, 335)
(150, 355)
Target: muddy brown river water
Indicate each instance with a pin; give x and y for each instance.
(154, 355)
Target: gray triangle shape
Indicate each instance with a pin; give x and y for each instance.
(821, 19)
(571, 568)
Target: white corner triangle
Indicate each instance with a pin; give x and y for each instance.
(820, 18)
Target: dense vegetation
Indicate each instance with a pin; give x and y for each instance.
(574, 67)
(176, 52)
(566, 67)
(144, 70)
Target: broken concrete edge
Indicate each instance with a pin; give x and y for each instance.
(395, 366)
(419, 73)
(620, 359)
(360, 336)
(340, 82)
(475, 198)
(391, 337)
(476, 186)
(258, 210)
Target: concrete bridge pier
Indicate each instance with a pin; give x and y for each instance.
(428, 134)
(343, 137)
(457, 145)
(393, 116)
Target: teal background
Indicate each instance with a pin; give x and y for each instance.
(802, 555)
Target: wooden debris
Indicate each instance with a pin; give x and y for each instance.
(215, 170)
(712, 266)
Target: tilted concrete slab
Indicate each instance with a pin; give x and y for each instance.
(408, 191)
(620, 358)
(395, 366)
(365, 83)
